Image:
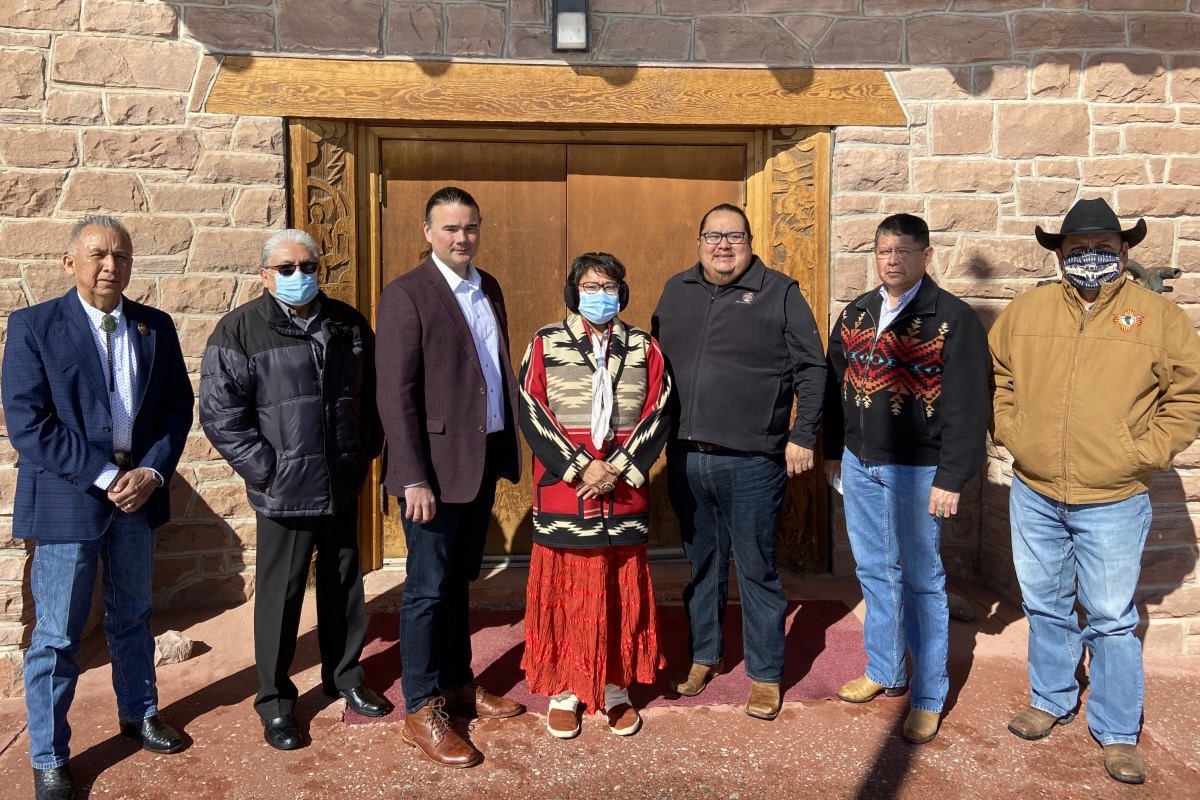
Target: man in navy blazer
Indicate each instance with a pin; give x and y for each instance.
(98, 404)
(447, 398)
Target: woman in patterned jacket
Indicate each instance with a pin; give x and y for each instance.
(594, 395)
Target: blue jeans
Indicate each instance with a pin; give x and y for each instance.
(895, 542)
(444, 556)
(731, 502)
(63, 576)
(1098, 548)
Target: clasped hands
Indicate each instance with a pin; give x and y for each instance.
(130, 490)
(597, 479)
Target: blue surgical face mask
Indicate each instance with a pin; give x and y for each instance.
(1087, 269)
(297, 289)
(600, 307)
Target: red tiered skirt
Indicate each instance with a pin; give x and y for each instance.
(589, 620)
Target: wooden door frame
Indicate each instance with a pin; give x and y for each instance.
(784, 117)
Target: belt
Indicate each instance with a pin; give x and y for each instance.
(122, 459)
(704, 447)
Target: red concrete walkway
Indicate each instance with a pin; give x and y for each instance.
(822, 749)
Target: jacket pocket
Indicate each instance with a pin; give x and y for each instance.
(433, 425)
(1102, 458)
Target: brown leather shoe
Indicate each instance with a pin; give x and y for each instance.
(429, 731)
(474, 701)
(624, 720)
(562, 723)
(697, 678)
(1124, 764)
(921, 726)
(1033, 723)
(764, 701)
(862, 690)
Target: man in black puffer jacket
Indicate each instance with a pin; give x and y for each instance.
(287, 396)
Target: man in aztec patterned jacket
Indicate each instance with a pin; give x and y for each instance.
(904, 431)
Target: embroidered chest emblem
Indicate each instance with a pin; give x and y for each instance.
(747, 298)
(1127, 320)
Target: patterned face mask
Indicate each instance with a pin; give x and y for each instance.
(1087, 269)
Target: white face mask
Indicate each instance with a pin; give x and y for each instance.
(1088, 269)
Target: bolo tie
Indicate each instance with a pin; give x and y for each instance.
(108, 324)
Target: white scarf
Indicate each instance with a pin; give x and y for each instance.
(602, 391)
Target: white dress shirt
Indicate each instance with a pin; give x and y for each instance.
(477, 311)
(124, 368)
(887, 314)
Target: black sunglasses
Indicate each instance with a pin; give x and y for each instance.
(307, 267)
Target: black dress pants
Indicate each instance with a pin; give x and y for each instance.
(285, 548)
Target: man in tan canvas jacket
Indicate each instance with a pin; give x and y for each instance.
(1097, 386)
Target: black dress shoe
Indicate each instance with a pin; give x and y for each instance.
(156, 735)
(53, 784)
(366, 701)
(283, 733)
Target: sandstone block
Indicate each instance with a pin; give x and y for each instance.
(171, 647)
(222, 501)
(1055, 76)
(861, 41)
(46, 15)
(1138, 5)
(784, 6)
(854, 234)
(1026, 130)
(232, 30)
(629, 39)
(996, 5)
(12, 297)
(1162, 638)
(698, 8)
(1165, 32)
(870, 169)
(227, 250)
(1002, 81)
(222, 591)
(644, 7)
(24, 84)
(1181, 601)
(16, 604)
(260, 207)
(953, 83)
(171, 572)
(474, 30)
(902, 204)
(1125, 78)
(48, 280)
(963, 214)
(1057, 30)
(1184, 80)
(191, 537)
(850, 276)
(34, 239)
(189, 198)
(1125, 114)
(38, 147)
(961, 175)
(740, 39)
(1106, 142)
(29, 193)
(1158, 201)
(74, 108)
(12, 671)
(844, 204)
(957, 39)
(893, 8)
(416, 29)
(960, 128)
(347, 26)
(1058, 168)
(214, 472)
(527, 11)
(809, 30)
(1045, 198)
(108, 61)
(109, 192)
(134, 19)
(242, 168)
(145, 109)
(198, 448)
(532, 43)
(1114, 171)
(205, 72)
(1162, 139)
(141, 148)
(262, 135)
(155, 235)
(8, 489)
(981, 257)
(1184, 171)
(193, 336)
(197, 294)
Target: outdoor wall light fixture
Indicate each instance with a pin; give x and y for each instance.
(570, 24)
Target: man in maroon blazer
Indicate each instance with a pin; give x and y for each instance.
(446, 397)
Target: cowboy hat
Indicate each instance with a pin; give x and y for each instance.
(1091, 216)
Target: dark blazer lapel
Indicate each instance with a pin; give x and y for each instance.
(78, 332)
(142, 340)
(454, 313)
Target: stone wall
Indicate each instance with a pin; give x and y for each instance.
(1016, 108)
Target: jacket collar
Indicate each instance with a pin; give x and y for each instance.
(618, 344)
(924, 303)
(751, 280)
(1107, 296)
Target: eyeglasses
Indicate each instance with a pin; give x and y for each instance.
(733, 237)
(903, 252)
(307, 267)
(592, 287)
